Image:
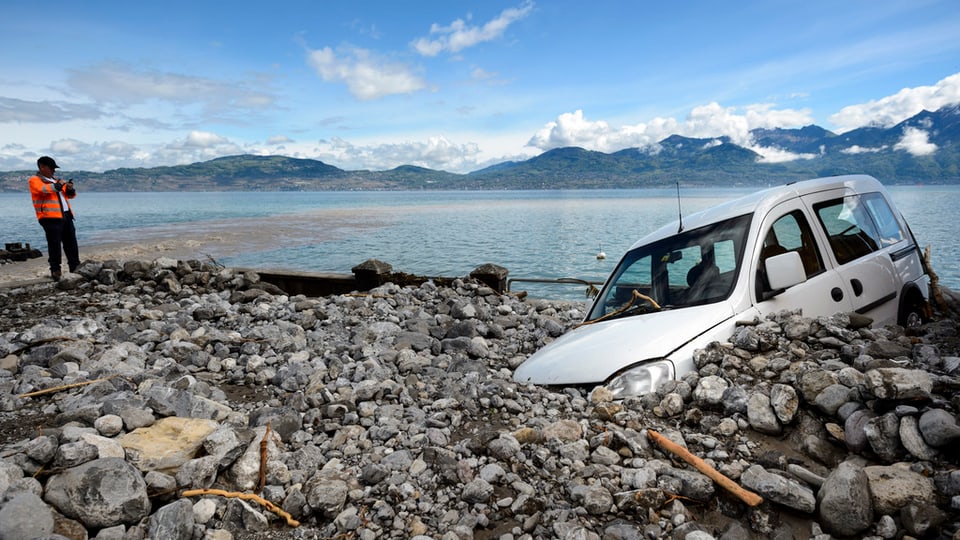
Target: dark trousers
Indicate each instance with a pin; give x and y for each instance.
(61, 232)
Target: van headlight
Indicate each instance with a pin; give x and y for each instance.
(641, 378)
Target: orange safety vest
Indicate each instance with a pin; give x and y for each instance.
(45, 200)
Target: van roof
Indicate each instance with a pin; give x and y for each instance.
(762, 201)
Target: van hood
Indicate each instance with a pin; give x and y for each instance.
(592, 353)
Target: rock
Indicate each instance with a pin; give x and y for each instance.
(761, 415)
(25, 516)
(779, 489)
(785, 402)
(883, 434)
(855, 430)
(709, 391)
(920, 520)
(167, 444)
(843, 502)
(899, 383)
(939, 429)
(893, 487)
(831, 398)
(101, 493)
(595, 499)
(913, 441)
(174, 520)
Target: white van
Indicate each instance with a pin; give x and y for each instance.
(825, 246)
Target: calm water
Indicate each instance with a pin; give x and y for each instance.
(535, 234)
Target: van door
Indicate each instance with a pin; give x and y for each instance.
(857, 249)
(788, 228)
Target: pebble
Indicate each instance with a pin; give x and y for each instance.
(393, 414)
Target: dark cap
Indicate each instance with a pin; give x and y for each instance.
(48, 161)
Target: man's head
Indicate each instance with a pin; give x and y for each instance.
(47, 162)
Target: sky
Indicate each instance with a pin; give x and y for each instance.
(453, 85)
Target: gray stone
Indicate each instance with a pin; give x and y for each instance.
(242, 516)
(785, 402)
(326, 496)
(173, 521)
(735, 400)
(25, 516)
(855, 432)
(913, 441)
(41, 449)
(813, 382)
(74, 453)
(883, 434)
(477, 491)
(899, 383)
(893, 487)
(761, 416)
(844, 503)
(921, 520)
(709, 391)
(831, 398)
(595, 499)
(939, 428)
(694, 485)
(100, 493)
(779, 489)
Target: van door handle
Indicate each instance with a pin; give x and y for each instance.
(837, 294)
(857, 287)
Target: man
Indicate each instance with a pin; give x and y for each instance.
(51, 200)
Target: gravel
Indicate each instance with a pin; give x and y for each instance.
(393, 414)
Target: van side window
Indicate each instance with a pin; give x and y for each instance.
(887, 224)
(850, 230)
(790, 232)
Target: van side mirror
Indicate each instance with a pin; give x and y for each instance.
(785, 270)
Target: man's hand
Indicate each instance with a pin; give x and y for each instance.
(58, 186)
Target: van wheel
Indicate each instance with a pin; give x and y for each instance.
(911, 314)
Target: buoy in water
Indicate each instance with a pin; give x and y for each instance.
(601, 255)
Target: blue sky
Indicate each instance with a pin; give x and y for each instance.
(452, 85)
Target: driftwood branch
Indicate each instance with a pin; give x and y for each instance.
(264, 444)
(935, 291)
(245, 496)
(749, 497)
(63, 387)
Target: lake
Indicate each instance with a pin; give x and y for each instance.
(534, 234)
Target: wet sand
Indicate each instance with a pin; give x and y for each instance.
(217, 239)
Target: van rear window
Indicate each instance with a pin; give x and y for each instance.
(859, 225)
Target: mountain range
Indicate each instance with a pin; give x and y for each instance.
(922, 149)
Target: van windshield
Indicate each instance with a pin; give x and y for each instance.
(691, 268)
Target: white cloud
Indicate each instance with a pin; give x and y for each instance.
(916, 142)
(894, 109)
(857, 149)
(68, 147)
(459, 35)
(777, 155)
(434, 153)
(203, 139)
(123, 85)
(19, 110)
(704, 122)
(367, 77)
(482, 74)
(277, 140)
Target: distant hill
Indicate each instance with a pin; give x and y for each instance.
(693, 162)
